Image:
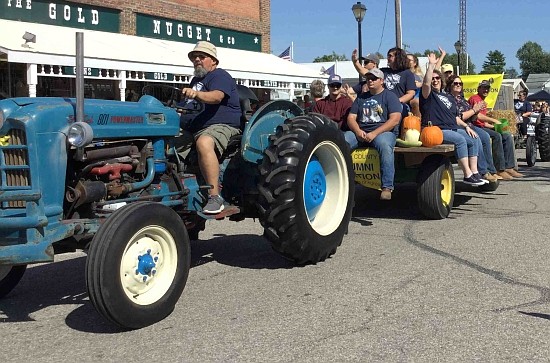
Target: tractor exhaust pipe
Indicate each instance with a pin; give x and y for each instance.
(79, 77)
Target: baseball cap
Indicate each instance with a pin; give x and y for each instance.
(376, 72)
(206, 48)
(334, 79)
(484, 83)
(371, 57)
(447, 68)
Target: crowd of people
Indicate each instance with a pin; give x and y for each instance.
(369, 114)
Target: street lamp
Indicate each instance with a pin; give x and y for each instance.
(359, 11)
(458, 48)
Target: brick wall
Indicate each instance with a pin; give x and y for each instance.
(251, 16)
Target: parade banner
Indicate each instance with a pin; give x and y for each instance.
(472, 81)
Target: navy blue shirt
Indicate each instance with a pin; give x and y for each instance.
(373, 110)
(227, 112)
(398, 82)
(439, 108)
(521, 108)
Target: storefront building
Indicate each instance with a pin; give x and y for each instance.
(130, 44)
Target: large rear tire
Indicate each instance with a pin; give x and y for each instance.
(138, 265)
(543, 138)
(531, 150)
(436, 187)
(306, 189)
(9, 277)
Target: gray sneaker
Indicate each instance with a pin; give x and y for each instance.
(214, 205)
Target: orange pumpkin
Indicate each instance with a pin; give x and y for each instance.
(410, 122)
(431, 135)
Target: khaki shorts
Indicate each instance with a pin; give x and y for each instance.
(220, 133)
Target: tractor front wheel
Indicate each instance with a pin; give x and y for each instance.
(9, 277)
(531, 150)
(138, 264)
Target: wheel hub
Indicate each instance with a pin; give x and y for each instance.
(146, 263)
(315, 186)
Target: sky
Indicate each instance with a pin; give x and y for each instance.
(319, 27)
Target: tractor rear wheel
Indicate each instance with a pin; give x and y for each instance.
(306, 189)
(543, 138)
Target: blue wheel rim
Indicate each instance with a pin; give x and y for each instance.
(315, 187)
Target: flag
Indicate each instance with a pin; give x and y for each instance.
(330, 70)
(286, 54)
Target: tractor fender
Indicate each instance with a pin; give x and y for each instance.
(262, 125)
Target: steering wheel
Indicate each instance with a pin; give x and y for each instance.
(188, 106)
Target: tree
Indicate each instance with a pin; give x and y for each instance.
(532, 59)
(331, 58)
(495, 63)
(511, 73)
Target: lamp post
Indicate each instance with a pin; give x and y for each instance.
(359, 11)
(458, 48)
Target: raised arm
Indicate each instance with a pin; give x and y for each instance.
(440, 60)
(427, 84)
(357, 63)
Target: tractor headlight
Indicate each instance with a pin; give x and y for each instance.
(80, 134)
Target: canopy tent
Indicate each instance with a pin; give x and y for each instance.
(539, 96)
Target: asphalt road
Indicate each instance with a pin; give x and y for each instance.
(472, 287)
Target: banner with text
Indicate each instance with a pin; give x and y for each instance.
(472, 81)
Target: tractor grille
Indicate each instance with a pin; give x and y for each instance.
(15, 165)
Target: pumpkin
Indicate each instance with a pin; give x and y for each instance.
(410, 122)
(412, 135)
(431, 135)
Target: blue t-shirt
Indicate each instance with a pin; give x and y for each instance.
(439, 108)
(227, 112)
(373, 110)
(398, 82)
(521, 107)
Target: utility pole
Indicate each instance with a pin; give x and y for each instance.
(398, 40)
(462, 33)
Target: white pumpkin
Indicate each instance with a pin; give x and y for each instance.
(412, 135)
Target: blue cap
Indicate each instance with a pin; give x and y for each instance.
(335, 79)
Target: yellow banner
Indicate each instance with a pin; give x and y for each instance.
(472, 81)
(366, 164)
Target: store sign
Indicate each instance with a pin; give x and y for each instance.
(159, 76)
(179, 31)
(270, 83)
(61, 13)
(87, 71)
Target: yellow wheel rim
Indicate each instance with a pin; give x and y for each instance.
(446, 187)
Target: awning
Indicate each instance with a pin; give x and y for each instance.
(56, 46)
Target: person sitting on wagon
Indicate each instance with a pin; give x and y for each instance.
(440, 109)
(503, 144)
(337, 104)
(468, 113)
(372, 120)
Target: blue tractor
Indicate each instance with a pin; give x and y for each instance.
(109, 182)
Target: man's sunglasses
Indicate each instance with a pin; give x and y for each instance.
(335, 85)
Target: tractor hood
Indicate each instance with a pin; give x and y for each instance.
(108, 119)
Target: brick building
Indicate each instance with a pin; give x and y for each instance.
(128, 44)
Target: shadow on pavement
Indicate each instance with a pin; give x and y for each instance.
(63, 282)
